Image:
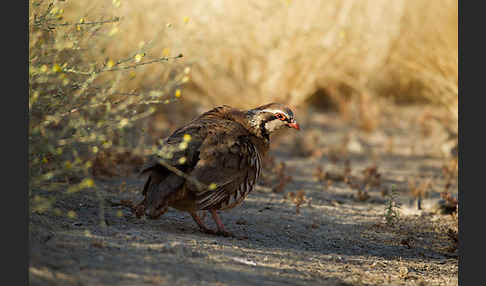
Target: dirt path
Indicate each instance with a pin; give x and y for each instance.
(336, 236)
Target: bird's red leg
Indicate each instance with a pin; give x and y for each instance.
(201, 224)
(221, 229)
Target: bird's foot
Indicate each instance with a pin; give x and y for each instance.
(218, 232)
(208, 231)
(217, 220)
(225, 233)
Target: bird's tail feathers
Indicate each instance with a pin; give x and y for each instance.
(157, 192)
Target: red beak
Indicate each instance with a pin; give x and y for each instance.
(293, 125)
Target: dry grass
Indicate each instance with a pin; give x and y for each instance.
(424, 60)
(288, 50)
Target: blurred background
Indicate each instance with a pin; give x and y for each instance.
(288, 51)
(97, 69)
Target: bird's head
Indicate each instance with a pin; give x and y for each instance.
(266, 119)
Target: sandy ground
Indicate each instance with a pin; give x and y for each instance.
(310, 232)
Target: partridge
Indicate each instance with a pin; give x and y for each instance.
(212, 163)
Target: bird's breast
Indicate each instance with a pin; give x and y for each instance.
(248, 183)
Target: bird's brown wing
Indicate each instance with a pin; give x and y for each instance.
(229, 162)
(198, 129)
(180, 150)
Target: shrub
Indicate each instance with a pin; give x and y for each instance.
(78, 104)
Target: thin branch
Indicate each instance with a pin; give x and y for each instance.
(164, 59)
(200, 187)
(114, 20)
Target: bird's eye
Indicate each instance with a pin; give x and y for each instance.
(280, 116)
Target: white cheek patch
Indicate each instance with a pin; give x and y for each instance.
(274, 125)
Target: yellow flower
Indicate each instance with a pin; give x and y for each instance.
(59, 14)
(183, 145)
(342, 34)
(56, 68)
(87, 183)
(78, 27)
(123, 122)
(187, 137)
(178, 93)
(107, 144)
(54, 10)
(113, 31)
(166, 52)
(34, 97)
(110, 64)
(139, 57)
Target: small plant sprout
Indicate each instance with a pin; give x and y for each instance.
(392, 205)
